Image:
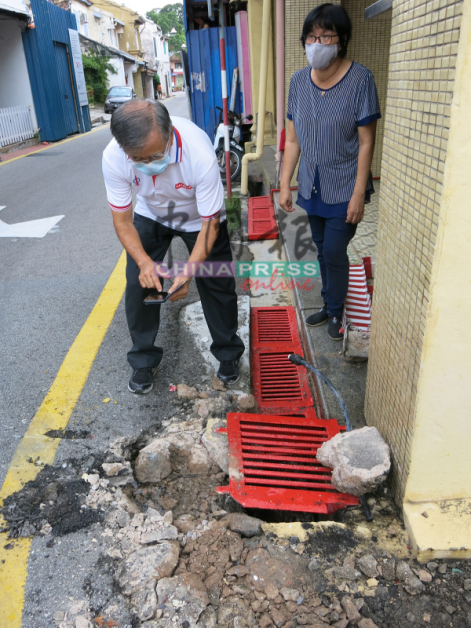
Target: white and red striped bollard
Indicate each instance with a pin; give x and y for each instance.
(225, 102)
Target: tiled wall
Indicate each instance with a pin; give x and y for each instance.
(370, 47)
(424, 42)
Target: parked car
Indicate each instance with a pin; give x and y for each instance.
(116, 96)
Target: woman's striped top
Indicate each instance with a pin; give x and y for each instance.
(326, 123)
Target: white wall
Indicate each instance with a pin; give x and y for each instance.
(150, 87)
(118, 79)
(15, 88)
(77, 8)
(129, 70)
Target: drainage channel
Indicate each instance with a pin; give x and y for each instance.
(273, 465)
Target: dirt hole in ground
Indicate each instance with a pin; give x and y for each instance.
(52, 503)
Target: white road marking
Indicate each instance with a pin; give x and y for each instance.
(29, 229)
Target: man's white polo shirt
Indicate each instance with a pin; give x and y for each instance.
(188, 191)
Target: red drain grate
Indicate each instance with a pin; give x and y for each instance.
(274, 325)
(273, 465)
(262, 221)
(279, 379)
(277, 384)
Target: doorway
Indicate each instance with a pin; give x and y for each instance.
(65, 88)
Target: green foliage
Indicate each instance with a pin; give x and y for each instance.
(156, 79)
(170, 16)
(233, 212)
(95, 68)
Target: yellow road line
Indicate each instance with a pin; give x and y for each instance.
(54, 413)
(70, 139)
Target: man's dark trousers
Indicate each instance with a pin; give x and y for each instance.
(218, 297)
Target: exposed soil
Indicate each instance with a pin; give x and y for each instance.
(261, 580)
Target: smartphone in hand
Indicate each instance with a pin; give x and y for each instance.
(157, 298)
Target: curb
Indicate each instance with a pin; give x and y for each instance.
(320, 400)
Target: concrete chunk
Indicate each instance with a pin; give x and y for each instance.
(216, 444)
(360, 460)
(153, 462)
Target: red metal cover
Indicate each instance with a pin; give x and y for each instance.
(262, 221)
(278, 385)
(273, 465)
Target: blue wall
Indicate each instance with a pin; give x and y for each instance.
(205, 75)
(51, 25)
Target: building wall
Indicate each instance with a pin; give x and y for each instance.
(15, 88)
(148, 34)
(129, 70)
(137, 82)
(126, 39)
(442, 429)
(370, 46)
(77, 7)
(424, 44)
(98, 28)
(119, 79)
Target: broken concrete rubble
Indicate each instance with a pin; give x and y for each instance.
(247, 403)
(360, 460)
(187, 392)
(248, 574)
(153, 462)
(243, 524)
(216, 443)
(148, 565)
(183, 597)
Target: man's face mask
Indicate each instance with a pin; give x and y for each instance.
(154, 165)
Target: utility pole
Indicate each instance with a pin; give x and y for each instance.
(225, 104)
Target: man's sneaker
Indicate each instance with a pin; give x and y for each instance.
(335, 329)
(228, 371)
(319, 318)
(142, 380)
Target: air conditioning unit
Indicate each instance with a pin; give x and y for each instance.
(83, 18)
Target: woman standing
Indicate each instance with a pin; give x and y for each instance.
(333, 109)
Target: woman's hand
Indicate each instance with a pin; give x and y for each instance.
(286, 200)
(356, 209)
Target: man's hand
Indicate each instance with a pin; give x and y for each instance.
(356, 209)
(286, 200)
(148, 277)
(181, 294)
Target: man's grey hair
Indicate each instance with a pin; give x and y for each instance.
(135, 120)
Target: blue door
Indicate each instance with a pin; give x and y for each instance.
(67, 96)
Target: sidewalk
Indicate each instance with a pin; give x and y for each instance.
(98, 115)
(347, 375)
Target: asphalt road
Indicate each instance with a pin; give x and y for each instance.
(48, 287)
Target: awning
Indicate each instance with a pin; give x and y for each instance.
(116, 21)
(19, 12)
(106, 50)
(97, 14)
